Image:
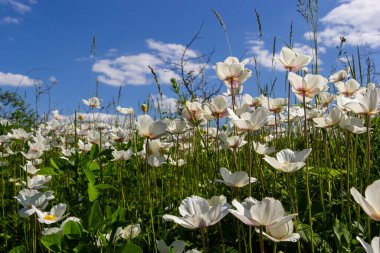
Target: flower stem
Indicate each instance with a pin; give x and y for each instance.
(204, 240)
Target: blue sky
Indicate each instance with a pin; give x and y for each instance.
(43, 41)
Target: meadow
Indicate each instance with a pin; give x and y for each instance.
(221, 173)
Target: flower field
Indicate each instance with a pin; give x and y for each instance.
(231, 174)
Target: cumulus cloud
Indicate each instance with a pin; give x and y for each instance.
(15, 80)
(133, 69)
(12, 7)
(166, 104)
(356, 20)
(10, 20)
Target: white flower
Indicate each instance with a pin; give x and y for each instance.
(174, 247)
(122, 155)
(236, 179)
(288, 160)
(196, 213)
(55, 214)
(371, 202)
(282, 233)
(93, 102)
(269, 212)
(29, 198)
(373, 248)
(331, 119)
(125, 110)
(130, 231)
(339, 76)
(307, 86)
(292, 61)
(262, 149)
(149, 128)
(250, 121)
(233, 73)
(37, 181)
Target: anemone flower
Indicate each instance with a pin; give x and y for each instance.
(249, 101)
(263, 149)
(307, 86)
(250, 121)
(232, 142)
(288, 160)
(353, 125)
(348, 88)
(340, 75)
(374, 247)
(93, 102)
(218, 107)
(122, 155)
(333, 118)
(371, 202)
(174, 247)
(275, 105)
(125, 110)
(233, 73)
(197, 213)
(30, 197)
(193, 112)
(130, 231)
(324, 99)
(237, 179)
(55, 214)
(282, 233)
(292, 61)
(149, 128)
(367, 104)
(269, 212)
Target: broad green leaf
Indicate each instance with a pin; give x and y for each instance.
(18, 249)
(90, 176)
(95, 217)
(94, 152)
(53, 163)
(47, 171)
(52, 242)
(131, 248)
(93, 193)
(72, 230)
(93, 165)
(105, 186)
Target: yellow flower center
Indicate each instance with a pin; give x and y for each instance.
(50, 217)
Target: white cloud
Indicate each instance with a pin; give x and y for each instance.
(133, 69)
(10, 20)
(18, 6)
(167, 104)
(356, 20)
(16, 80)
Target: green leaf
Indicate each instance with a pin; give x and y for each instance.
(89, 174)
(54, 164)
(93, 166)
(94, 152)
(18, 249)
(72, 230)
(105, 186)
(93, 193)
(95, 217)
(131, 248)
(52, 242)
(47, 171)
